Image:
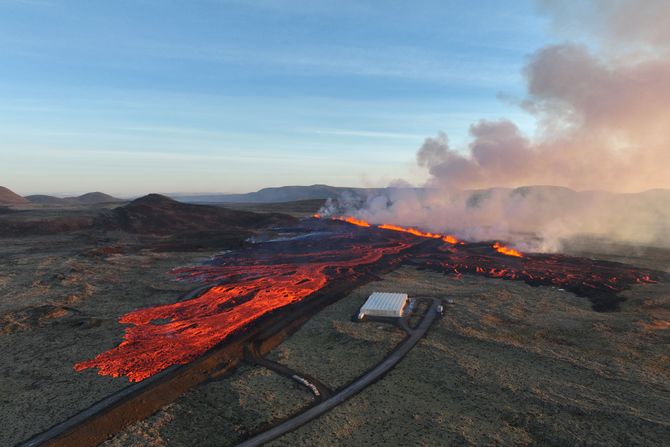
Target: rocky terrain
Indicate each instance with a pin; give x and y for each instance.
(158, 221)
(508, 364)
(60, 297)
(66, 275)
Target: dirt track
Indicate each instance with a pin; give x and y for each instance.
(350, 390)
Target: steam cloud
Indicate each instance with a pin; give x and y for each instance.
(603, 124)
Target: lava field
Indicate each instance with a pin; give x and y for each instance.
(265, 277)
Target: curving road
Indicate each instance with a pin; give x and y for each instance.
(319, 389)
(356, 386)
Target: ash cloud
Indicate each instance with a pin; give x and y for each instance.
(602, 125)
(603, 119)
(535, 218)
(616, 24)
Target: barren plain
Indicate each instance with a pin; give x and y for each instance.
(508, 364)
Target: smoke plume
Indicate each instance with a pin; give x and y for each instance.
(602, 125)
(603, 119)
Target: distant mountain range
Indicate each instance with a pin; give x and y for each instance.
(312, 192)
(266, 195)
(317, 192)
(9, 197)
(275, 195)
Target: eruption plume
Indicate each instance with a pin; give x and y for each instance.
(602, 125)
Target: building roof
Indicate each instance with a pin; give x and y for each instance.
(384, 304)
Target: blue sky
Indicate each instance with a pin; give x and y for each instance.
(130, 97)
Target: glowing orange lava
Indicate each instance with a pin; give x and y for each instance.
(450, 239)
(445, 237)
(353, 221)
(413, 231)
(252, 282)
(507, 250)
(193, 326)
(177, 333)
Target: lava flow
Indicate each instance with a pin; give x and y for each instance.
(352, 220)
(413, 231)
(507, 250)
(260, 280)
(250, 284)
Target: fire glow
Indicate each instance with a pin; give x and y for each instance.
(250, 283)
(256, 283)
(507, 250)
(353, 221)
(413, 231)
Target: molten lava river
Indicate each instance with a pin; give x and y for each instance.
(265, 277)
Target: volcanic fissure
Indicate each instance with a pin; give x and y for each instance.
(265, 277)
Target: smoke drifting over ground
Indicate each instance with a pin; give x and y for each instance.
(603, 124)
(537, 218)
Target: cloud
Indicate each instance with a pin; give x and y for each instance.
(616, 24)
(603, 124)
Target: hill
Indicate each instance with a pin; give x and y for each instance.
(158, 214)
(157, 222)
(91, 198)
(9, 197)
(42, 199)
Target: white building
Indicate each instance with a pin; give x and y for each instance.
(384, 304)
